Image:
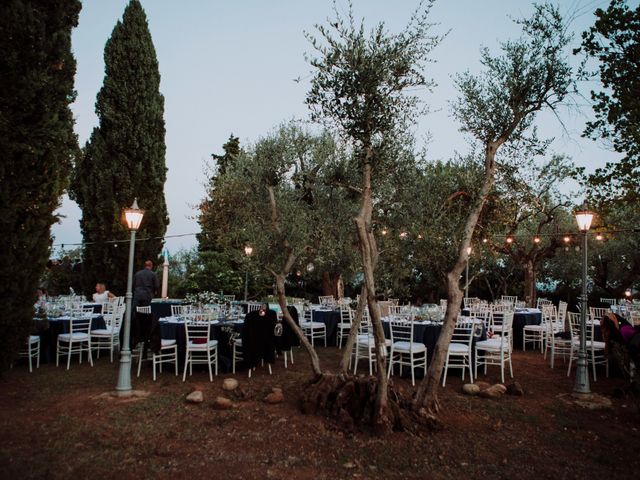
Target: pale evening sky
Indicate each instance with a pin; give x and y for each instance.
(229, 67)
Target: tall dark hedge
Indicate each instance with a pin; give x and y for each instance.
(37, 143)
(125, 156)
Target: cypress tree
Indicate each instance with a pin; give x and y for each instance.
(37, 143)
(124, 157)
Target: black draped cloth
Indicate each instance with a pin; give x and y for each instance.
(258, 341)
(289, 338)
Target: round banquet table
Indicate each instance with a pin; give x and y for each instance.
(330, 318)
(49, 330)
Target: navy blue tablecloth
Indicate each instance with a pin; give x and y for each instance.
(330, 318)
(49, 331)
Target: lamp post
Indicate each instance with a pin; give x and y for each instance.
(133, 217)
(466, 282)
(583, 218)
(248, 250)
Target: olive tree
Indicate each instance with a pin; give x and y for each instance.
(364, 84)
(497, 109)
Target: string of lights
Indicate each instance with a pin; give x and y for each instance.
(126, 241)
(403, 235)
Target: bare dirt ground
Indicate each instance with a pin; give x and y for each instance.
(56, 424)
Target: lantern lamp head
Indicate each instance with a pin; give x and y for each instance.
(584, 219)
(133, 216)
(248, 250)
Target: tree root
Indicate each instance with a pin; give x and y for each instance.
(348, 402)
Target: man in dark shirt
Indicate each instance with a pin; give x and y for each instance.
(145, 285)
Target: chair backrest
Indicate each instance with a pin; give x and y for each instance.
(393, 301)
(80, 323)
(634, 317)
(197, 327)
(443, 305)
(610, 301)
(541, 302)
(503, 320)
(326, 300)
(308, 315)
(401, 331)
(108, 308)
(562, 311)
(597, 313)
(253, 306)
(229, 298)
(503, 307)
(574, 321)
(179, 310)
(464, 331)
(346, 314)
(145, 309)
(395, 310)
(509, 299)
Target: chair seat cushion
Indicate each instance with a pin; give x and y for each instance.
(202, 346)
(34, 339)
(103, 332)
(312, 325)
(458, 348)
(535, 328)
(409, 347)
(74, 337)
(344, 325)
(492, 344)
(238, 342)
(167, 342)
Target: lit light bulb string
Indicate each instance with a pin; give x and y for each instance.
(600, 234)
(116, 242)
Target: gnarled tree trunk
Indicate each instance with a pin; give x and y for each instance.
(427, 394)
(530, 293)
(369, 252)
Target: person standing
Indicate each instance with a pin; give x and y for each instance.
(145, 285)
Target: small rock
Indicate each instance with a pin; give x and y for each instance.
(195, 397)
(229, 384)
(494, 391)
(515, 389)
(470, 389)
(275, 396)
(222, 403)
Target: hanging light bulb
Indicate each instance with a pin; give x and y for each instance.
(599, 236)
(384, 231)
(566, 239)
(485, 240)
(509, 240)
(536, 239)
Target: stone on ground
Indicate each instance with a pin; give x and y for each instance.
(275, 396)
(494, 391)
(195, 397)
(470, 389)
(222, 403)
(515, 389)
(229, 384)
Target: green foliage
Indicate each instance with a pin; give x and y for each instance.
(614, 41)
(532, 73)
(125, 156)
(37, 144)
(64, 273)
(361, 82)
(275, 192)
(219, 270)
